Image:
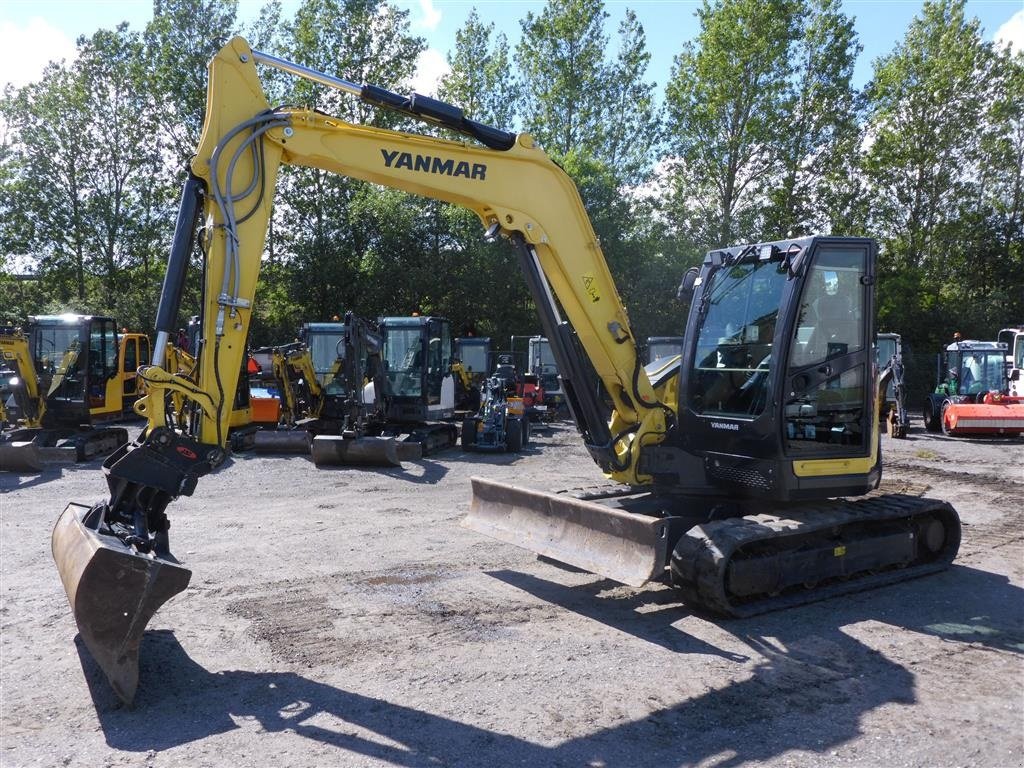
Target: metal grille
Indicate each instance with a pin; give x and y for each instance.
(751, 478)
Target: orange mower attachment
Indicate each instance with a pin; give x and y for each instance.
(995, 415)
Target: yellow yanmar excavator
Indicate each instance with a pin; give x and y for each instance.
(71, 376)
(739, 467)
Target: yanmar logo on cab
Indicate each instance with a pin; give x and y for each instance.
(725, 425)
(428, 164)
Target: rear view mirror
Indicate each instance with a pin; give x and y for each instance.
(685, 293)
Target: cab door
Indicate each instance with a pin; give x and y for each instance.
(135, 354)
(102, 380)
(829, 380)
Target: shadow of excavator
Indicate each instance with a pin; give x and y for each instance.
(809, 690)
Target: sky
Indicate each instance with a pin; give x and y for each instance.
(33, 32)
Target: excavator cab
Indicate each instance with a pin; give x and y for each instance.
(541, 363)
(76, 361)
(661, 347)
(777, 372)
(326, 342)
(474, 352)
(418, 357)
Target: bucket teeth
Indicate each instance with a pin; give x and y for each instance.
(114, 592)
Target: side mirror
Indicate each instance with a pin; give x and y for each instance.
(684, 295)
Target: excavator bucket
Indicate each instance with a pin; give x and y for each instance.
(282, 441)
(623, 546)
(114, 592)
(335, 450)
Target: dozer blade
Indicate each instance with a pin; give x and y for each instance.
(23, 457)
(335, 450)
(28, 456)
(282, 441)
(626, 547)
(114, 592)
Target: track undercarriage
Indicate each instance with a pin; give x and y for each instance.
(727, 560)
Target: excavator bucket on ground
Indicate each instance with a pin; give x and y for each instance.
(618, 545)
(336, 450)
(114, 592)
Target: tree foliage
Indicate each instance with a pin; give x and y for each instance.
(758, 134)
(943, 167)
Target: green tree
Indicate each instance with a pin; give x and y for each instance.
(1001, 176)
(123, 212)
(180, 39)
(478, 81)
(727, 121)
(49, 124)
(561, 61)
(85, 199)
(818, 146)
(478, 285)
(631, 120)
(323, 230)
(931, 106)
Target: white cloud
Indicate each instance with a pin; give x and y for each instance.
(431, 66)
(28, 48)
(431, 16)
(1011, 33)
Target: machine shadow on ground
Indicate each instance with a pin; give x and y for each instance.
(749, 720)
(806, 666)
(11, 481)
(961, 604)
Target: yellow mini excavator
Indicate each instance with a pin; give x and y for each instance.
(71, 375)
(747, 471)
(330, 416)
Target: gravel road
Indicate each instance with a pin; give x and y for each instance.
(342, 617)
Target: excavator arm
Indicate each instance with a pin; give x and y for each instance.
(292, 363)
(517, 192)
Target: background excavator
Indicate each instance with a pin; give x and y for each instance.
(300, 400)
(738, 468)
(357, 403)
(72, 374)
(893, 401)
(338, 402)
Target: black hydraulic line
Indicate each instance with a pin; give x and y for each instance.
(580, 383)
(181, 253)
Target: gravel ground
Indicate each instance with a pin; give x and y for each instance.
(342, 617)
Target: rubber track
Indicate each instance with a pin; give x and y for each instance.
(701, 558)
